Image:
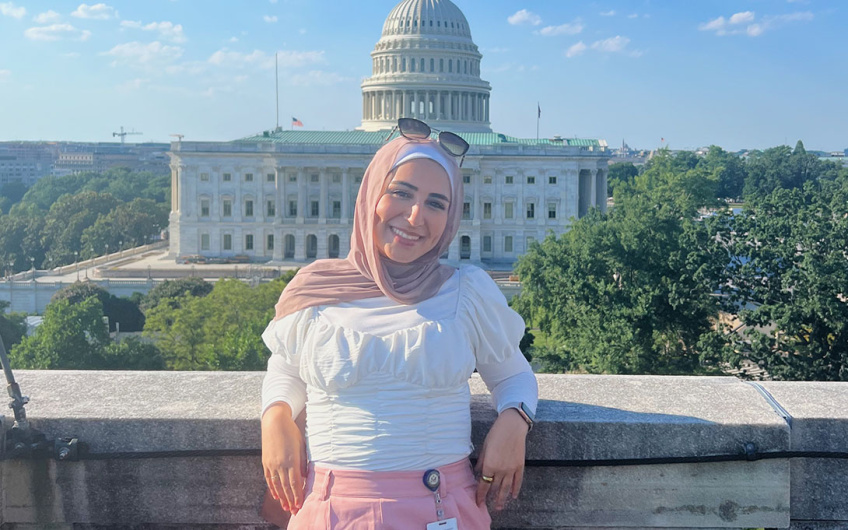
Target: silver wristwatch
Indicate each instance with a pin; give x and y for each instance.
(525, 412)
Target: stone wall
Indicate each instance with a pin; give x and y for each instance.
(691, 427)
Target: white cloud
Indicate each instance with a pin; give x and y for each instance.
(733, 25)
(634, 15)
(167, 30)
(302, 31)
(233, 39)
(575, 50)
(71, 55)
(742, 18)
(524, 17)
(287, 59)
(270, 18)
(96, 12)
(134, 84)
(565, 29)
(610, 13)
(318, 78)
(611, 45)
(55, 32)
(10, 10)
(4, 75)
(47, 17)
(138, 54)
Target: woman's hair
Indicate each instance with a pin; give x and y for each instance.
(366, 272)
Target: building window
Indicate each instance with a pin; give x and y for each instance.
(228, 177)
(270, 177)
(531, 210)
(248, 208)
(248, 177)
(288, 252)
(551, 210)
(314, 177)
(228, 241)
(336, 178)
(487, 243)
(552, 180)
(487, 179)
(270, 209)
(292, 208)
(466, 179)
(313, 208)
(466, 210)
(432, 61)
(531, 179)
(204, 177)
(508, 213)
(358, 180)
(507, 243)
(227, 208)
(441, 65)
(292, 177)
(337, 209)
(204, 241)
(269, 242)
(248, 242)
(487, 210)
(530, 241)
(508, 179)
(204, 208)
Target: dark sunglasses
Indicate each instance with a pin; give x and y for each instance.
(418, 130)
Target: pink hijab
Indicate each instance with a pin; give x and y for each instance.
(366, 273)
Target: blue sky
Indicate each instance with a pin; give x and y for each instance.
(740, 74)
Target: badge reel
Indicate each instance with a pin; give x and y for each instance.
(433, 480)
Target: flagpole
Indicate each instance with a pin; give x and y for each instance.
(538, 115)
(277, 89)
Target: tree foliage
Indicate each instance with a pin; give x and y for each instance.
(117, 310)
(789, 272)
(174, 290)
(628, 291)
(219, 331)
(12, 326)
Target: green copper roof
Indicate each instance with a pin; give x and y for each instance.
(376, 138)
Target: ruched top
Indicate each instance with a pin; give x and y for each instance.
(386, 385)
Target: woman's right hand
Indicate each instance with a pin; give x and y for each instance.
(283, 456)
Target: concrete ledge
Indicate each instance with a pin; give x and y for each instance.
(579, 417)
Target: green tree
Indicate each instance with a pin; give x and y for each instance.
(128, 224)
(620, 173)
(117, 310)
(629, 291)
(12, 326)
(68, 218)
(70, 337)
(789, 270)
(729, 169)
(174, 289)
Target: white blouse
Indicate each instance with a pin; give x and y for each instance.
(386, 385)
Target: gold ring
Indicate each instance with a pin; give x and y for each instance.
(275, 477)
(487, 479)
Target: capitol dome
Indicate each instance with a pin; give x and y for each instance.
(426, 66)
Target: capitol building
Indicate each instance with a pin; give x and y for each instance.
(287, 196)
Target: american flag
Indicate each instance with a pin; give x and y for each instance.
(296, 122)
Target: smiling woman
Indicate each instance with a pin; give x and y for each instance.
(382, 344)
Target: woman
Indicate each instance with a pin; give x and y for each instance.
(383, 343)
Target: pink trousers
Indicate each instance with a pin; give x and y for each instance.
(391, 500)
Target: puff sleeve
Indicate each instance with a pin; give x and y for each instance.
(282, 381)
(496, 330)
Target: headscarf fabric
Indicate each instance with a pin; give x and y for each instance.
(365, 272)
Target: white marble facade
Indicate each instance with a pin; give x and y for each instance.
(295, 207)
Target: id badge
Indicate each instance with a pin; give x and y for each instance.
(447, 524)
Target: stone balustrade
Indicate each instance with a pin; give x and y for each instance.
(693, 431)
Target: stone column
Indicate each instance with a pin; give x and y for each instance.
(324, 177)
(301, 195)
(299, 245)
(281, 195)
(572, 193)
(346, 217)
(438, 104)
(593, 194)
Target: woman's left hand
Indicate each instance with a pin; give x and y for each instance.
(502, 458)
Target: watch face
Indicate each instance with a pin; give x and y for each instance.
(526, 410)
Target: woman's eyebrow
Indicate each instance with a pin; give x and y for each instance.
(415, 188)
(440, 196)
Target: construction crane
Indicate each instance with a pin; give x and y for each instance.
(123, 133)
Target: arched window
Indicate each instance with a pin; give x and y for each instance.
(441, 65)
(289, 247)
(432, 64)
(465, 247)
(412, 65)
(403, 64)
(311, 246)
(333, 246)
(422, 65)
(450, 65)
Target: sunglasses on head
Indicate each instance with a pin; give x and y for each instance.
(418, 130)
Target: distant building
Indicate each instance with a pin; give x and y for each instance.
(25, 162)
(289, 195)
(75, 158)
